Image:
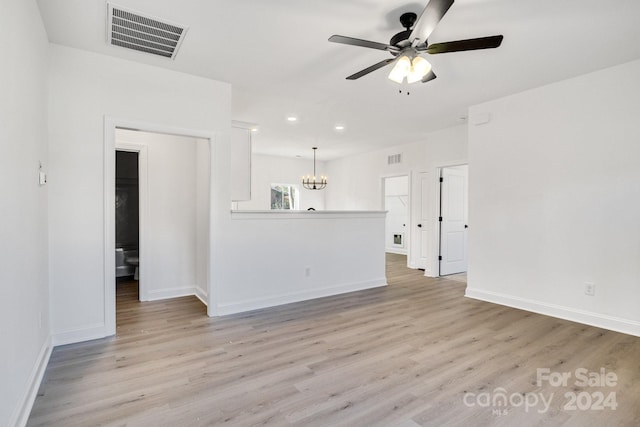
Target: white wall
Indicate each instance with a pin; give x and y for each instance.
(271, 252)
(356, 181)
(24, 294)
(555, 199)
(267, 170)
(177, 203)
(240, 163)
(84, 87)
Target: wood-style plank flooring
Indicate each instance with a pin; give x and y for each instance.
(416, 352)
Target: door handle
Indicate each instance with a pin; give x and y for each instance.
(466, 226)
(420, 225)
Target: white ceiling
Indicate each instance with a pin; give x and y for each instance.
(276, 55)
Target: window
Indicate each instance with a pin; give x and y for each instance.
(284, 196)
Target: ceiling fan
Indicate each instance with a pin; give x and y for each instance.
(407, 46)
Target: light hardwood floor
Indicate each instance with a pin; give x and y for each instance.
(409, 354)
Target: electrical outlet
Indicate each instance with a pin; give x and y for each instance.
(589, 289)
(307, 271)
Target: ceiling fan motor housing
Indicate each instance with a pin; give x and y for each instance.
(400, 37)
(407, 20)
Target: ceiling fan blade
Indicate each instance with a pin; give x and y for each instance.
(469, 44)
(431, 15)
(359, 42)
(428, 77)
(370, 69)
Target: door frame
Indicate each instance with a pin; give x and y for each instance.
(110, 126)
(438, 209)
(407, 235)
(408, 174)
(143, 204)
(416, 218)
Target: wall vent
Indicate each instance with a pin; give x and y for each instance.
(394, 159)
(133, 30)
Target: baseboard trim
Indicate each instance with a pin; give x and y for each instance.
(185, 291)
(201, 295)
(599, 320)
(396, 251)
(98, 330)
(86, 333)
(255, 304)
(22, 412)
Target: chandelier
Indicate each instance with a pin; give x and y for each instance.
(309, 182)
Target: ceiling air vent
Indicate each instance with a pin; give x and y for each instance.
(394, 159)
(133, 30)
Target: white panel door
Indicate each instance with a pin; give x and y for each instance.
(453, 231)
(424, 224)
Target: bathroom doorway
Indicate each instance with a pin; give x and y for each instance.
(173, 179)
(127, 222)
(174, 206)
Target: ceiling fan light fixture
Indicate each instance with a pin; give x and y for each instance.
(406, 46)
(419, 68)
(401, 69)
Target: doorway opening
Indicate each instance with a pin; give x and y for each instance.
(453, 220)
(396, 203)
(127, 223)
(174, 213)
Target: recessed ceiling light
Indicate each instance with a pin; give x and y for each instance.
(292, 119)
(254, 129)
(339, 127)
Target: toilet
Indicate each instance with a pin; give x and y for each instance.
(127, 262)
(133, 261)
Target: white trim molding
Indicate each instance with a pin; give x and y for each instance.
(272, 301)
(168, 293)
(278, 214)
(85, 333)
(23, 410)
(201, 294)
(599, 320)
